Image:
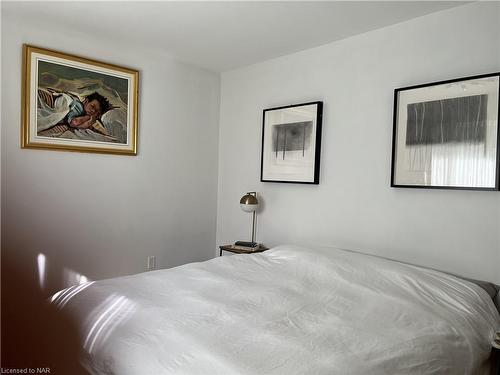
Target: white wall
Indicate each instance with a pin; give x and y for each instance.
(102, 215)
(354, 207)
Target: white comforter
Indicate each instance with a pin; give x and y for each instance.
(288, 310)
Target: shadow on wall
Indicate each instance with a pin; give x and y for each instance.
(35, 334)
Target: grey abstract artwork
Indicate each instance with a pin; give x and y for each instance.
(460, 120)
(291, 143)
(294, 136)
(446, 134)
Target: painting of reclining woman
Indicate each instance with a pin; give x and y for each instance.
(77, 104)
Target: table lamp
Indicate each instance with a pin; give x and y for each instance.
(250, 203)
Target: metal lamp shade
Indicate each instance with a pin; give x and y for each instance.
(249, 203)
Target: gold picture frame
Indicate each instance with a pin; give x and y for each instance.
(71, 103)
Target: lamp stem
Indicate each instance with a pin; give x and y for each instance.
(254, 218)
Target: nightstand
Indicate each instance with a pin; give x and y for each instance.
(231, 249)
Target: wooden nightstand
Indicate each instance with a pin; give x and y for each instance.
(230, 248)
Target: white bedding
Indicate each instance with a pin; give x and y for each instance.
(288, 310)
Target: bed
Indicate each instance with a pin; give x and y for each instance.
(289, 310)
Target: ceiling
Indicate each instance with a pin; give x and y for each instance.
(220, 36)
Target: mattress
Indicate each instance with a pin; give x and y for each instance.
(289, 310)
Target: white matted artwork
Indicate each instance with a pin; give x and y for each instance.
(446, 134)
(291, 143)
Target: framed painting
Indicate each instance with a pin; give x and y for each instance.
(446, 134)
(75, 104)
(291, 143)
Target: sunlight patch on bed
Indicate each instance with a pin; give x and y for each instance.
(105, 318)
(61, 298)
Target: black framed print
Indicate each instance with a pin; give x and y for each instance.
(291, 143)
(446, 134)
